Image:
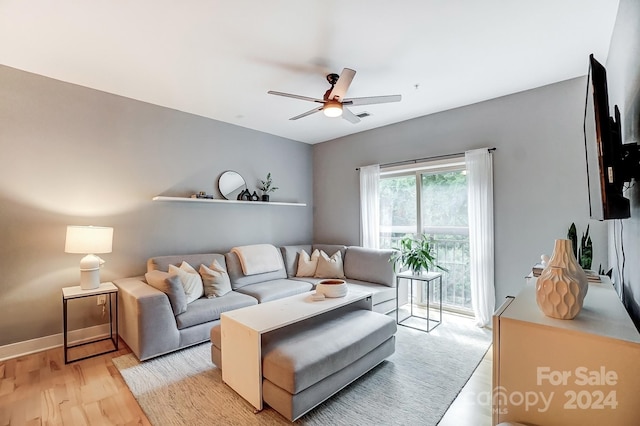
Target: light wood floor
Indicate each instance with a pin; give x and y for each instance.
(39, 389)
(472, 407)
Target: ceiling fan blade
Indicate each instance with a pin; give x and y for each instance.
(372, 100)
(289, 95)
(341, 87)
(349, 116)
(304, 114)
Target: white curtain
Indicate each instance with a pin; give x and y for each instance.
(370, 205)
(480, 186)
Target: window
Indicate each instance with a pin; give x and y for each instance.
(431, 198)
(398, 211)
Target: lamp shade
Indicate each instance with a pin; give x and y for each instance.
(88, 239)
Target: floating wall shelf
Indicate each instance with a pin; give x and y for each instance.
(220, 200)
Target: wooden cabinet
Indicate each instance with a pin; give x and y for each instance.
(583, 371)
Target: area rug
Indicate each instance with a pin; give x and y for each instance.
(415, 385)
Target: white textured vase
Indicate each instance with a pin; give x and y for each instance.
(563, 256)
(562, 285)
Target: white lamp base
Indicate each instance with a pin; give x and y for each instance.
(90, 272)
(90, 280)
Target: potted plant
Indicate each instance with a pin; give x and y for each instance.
(584, 253)
(266, 187)
(416, 254)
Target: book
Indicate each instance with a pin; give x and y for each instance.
(537, 269)
(592, 276)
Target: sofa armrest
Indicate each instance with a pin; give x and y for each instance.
(371, 265)
(145, 318)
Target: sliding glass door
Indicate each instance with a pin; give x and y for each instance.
(398, 209)
(432, 200)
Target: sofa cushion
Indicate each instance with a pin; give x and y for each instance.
(371, 265)
(379, 293)
(290, 257)
(275, 289)
(301, 356)
(215, 280)
(205, 310)
(307, 265)
(171, 286)
(162, 263)
(330, 267)
(311, 280)
(239, 279)
(191, 280)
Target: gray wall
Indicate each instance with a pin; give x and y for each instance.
(623, 75)
(72, 155)
(540, 184)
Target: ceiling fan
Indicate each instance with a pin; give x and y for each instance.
(334, 104)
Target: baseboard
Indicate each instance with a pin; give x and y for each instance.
(27, 347)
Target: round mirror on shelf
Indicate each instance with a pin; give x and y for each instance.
(231, 184)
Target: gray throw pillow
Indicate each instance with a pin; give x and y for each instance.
(171, 286)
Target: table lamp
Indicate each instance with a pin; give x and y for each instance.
(89, 240)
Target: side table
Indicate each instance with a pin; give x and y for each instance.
(69, 293)
(428, 278)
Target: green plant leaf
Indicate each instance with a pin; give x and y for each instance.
(415, 254)
(265, 185)
(572, 235)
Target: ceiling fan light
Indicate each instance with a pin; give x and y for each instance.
(332, 109)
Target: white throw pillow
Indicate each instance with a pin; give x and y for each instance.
(307, 265)
(215, 280)
(190, 279)
(330, 267)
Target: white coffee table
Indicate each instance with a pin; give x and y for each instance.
(242, 331)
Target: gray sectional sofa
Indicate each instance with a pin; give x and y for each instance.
(150, 326)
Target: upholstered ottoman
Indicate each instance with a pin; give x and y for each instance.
(301, 370)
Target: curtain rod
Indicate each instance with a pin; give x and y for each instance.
(418, 160)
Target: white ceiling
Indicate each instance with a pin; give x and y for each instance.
(219, 58)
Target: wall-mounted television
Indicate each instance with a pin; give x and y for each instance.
(609, 163)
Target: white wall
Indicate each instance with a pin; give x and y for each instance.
(72, 155)
(539, 172)
(623, 75)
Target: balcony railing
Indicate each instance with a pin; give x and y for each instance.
(451, 248)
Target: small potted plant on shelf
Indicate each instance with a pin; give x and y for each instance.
(266, 187)
(416, 254)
